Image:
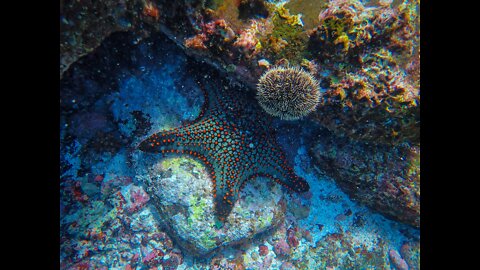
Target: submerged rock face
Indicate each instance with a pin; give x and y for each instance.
(366, 59)
(385, 178)
(181, 190)
(84, 25)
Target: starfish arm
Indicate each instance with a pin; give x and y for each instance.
(294, 183)
(159, 141)
(224, 197)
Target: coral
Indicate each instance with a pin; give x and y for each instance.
(153, 258)
(342, 251)
(397, 260)
(290, 19)
(136, 198)
(248, 41)
(292, 238)
(235, 144)
(216, 35)
(343, 27)
(307, 235)
(262, 250)
(78, 193)
(281, 248)
(288, 92)
(151, 10)
(410, 252)
(196, 42)
(377, 103)
(371, 56)
(220, 263)
(285, 38)
(175, 258)
(309, 10)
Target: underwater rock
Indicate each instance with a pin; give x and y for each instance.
(84, 25)
(367, 57)
(181, 190)
(340, 251)
(385, 178)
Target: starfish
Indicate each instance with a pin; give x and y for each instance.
(233, 138)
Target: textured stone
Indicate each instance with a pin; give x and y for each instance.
(385, 178)
(181, 190)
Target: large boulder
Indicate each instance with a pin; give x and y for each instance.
(385, 178)
(181, 190)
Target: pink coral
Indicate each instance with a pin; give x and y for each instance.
(98, 178)
(153, 258)
(262, 250)
(281, 248)
(397, 260)
(175, 259)
(134, 258)
(247, 41)
(267, 262)
(138, 198)
(287, 266)
(292, 238)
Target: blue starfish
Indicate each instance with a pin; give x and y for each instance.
(233, 138)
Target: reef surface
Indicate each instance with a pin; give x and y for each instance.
(132, 69)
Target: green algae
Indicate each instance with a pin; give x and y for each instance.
(176, 164)
(288, 39)
(309, 9)
(207, 240)
(198, 206)
(265, 221)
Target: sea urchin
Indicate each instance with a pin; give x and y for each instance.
(288, 92)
